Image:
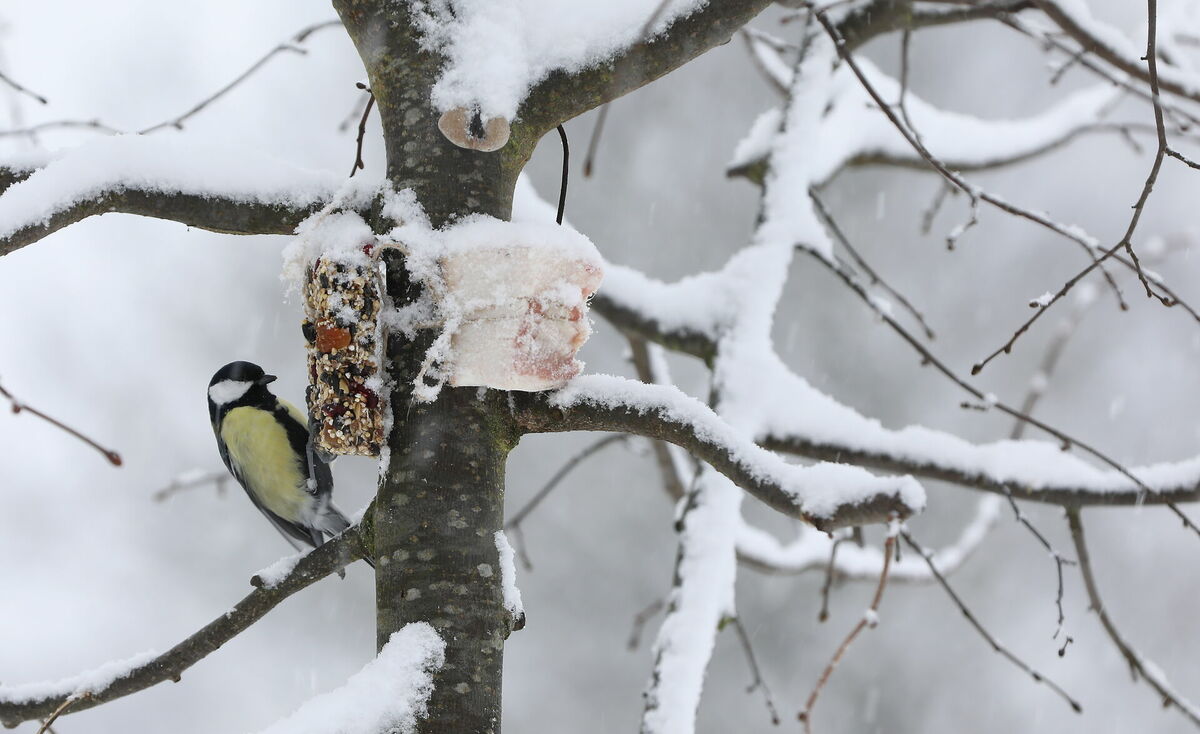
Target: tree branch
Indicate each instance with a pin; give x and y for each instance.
(1096, 38)
(562, 96)
(1001, 477)
(288, 46)
(17, 706)
(992, 641)
(635, 323)
(1138, 665)
(886, 16)
(826, 496)
(17, 406)
(227, 216)
(234, 192)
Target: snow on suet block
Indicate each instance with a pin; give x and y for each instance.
(512, 299)
(342, 306)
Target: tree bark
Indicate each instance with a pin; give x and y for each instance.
(441, 494)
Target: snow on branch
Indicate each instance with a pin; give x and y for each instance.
(20, 167)
(799, 419)
(828, 496)
(811, 550)
(1107, 42)
(684, 316)
(388, 695)
(223, 190)
(684, 30)
(874, 19)
(853, 133)
(804, 421)
(30, 701)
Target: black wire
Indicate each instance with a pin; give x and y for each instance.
(562, 191)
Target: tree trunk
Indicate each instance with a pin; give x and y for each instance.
(441, 496)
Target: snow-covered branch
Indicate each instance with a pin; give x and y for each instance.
(1110, 44)
(855, 134)
(812, 550)
(828, 496)
(232, 191)
(1031, 470)
(885, 16)
(30, 701)
(658, 312)
(388, 695)
(564, 95)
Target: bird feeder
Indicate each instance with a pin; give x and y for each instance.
(514, 302)
(342, 305)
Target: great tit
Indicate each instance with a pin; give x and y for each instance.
(264, 442)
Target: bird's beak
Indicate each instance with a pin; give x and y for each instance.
(266, 379)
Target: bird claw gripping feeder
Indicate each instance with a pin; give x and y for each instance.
(342, 307)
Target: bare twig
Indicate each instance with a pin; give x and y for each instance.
(514, 523)
(874, 276)
(355, 112)
(830, 573)
(758, 682)
(569, 466)
(219, 480)
(973, 192)
(639, 623)
(1066, 66)
(285, 47)
(1100, 48)
(935, 206)
(1138, 665)
(673, 482)
(46, 725)
(21, 89)
(869, 619)
(755, 41)
(289, 46)
(17, 406)
(589, 158)
(335, 554)
(1037, 389)
(33, 130)
(1126, 241)
(1180, 116)
(1183, 159)
(985, 400)
(996, 646)
(362, 130)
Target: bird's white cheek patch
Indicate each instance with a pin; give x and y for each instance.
(226, 391)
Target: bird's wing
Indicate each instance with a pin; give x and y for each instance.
(296, 424)
(287, 528)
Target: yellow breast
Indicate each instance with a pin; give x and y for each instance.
(259, 447)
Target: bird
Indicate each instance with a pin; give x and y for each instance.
(264, 442)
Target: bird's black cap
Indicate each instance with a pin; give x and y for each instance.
(242, 372)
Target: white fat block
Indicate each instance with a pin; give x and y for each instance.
(522, 315)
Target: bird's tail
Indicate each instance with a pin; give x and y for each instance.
(332, 522)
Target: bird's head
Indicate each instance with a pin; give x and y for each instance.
(235, 381)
